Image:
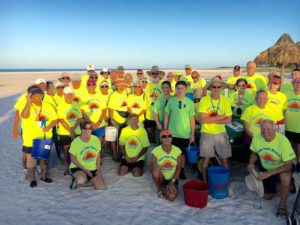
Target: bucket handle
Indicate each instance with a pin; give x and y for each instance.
(43, 124)
(191, 143)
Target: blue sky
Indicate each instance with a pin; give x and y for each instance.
(169, 33)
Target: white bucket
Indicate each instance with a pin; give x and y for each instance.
(110, 133)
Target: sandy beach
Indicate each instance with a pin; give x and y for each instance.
(127, 201)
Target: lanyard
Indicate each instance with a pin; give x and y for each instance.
(38, 113)
(240, 100)
(212, 104)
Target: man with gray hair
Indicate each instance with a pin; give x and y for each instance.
(274, 154)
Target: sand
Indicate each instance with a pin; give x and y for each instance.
(128, 200)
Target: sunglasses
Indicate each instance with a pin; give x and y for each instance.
(104, 86)
(216, 87)
(166, 136)
(94, 77)
(144, 81)
(155, 73)
(65, 78)
(60, 87)
(87, 128)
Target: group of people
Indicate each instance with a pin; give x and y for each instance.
(163, 110)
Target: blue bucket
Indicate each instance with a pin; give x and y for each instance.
(192, 153)
(41, 148)
(190, 95)
(218, 181)
(99, 132)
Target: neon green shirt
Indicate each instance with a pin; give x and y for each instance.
(152, 93)
(256, 82)
(31, 126)
(70, 113)
(198, 85)
(278, 103)
(272, 154)
(287, 87)
(188, 78)
(167, 161)
(254, 115)
(159, 108)
(134, 141)
(180, 114)
(292, 113)
(118, 102)
(246, 100)
(86, 152)
(137, 104)
(210, 107)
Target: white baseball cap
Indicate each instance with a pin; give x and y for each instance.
(68, 90)
(90, 67)
(39, 81)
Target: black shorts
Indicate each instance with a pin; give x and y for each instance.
(181, 143)
(293, 136)
(73, 170)
(130, 166)
(149, 124)
(27, 149)
(271, 182)
(64, 140)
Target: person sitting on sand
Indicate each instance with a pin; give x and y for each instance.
(85, 159)
(133, 146)
(165, 167)
(275, 155)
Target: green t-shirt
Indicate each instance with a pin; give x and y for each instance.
(167, 161)
(211, 107)
(292, 113)
(86, 152)
(241, 102)
(272, 154)
(287, 87)
(180, 113)
(256, 82)
(152, 93)
(134, 141)
(159, 108)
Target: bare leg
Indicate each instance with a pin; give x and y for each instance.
(224, 162)
(43, 169)
(123, 170)
(98, 182)
(137, 172)
(24, 160)
(285, 185)
(157, 178)
(151, 134)
(204, 168)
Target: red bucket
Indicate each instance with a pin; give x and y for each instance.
(195, 194)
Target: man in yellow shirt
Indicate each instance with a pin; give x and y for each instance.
(231, 81)
(38, 119)
(255, 80)
(133, 146)
(188, 77)
(214, 112)
(198, 84)
(165, 167)
(275, 154)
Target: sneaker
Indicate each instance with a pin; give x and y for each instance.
(47, 180)
(33, 183)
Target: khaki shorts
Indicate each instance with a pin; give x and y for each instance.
(30, 162)
(210, 144)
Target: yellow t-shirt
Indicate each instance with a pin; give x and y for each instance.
(256, 82)
(86, 152)
(70, 113)
(188, 78)
(272, 154)
(93, 106)
(292, 113)
(211, 107)
(173, 84)
(278, 103)
(232, 79)
(254, 115)
(134, 141)
(58, 99)
(167, 161)
(118, 102)
(31, 126)
(152, 93)
(79, 96)
(198, 85)
(137, 104)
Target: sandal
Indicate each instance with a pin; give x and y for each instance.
(47, 180)
(282, 213)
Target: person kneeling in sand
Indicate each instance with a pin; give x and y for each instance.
(165, 166)
(133, 146)
(85, 158)
(275, 156)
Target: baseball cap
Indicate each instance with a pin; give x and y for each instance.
(165, 132)
(90, 67)
(39, 80)
(236, 67)
(276, 79)
(68, 90)
(34, 89)
(188, 66)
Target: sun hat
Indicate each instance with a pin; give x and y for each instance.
(91, 81)
(68, 90)
(34, 89)
(90, 67)
(188, 66)
(155, 69)
(255, 185)
(215, 79)
(39, 81)
(64, 74)
(58, 83)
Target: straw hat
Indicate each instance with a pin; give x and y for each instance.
(155, 69)
(254, 185)
(215, 79)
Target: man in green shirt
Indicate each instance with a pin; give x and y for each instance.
(275, 155)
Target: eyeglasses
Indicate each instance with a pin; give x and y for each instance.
(166, 136)
(137, 86)
(65, 78)
(87, 128)
(91, 85)
(155, 73)
(60, 87)
(216, 87)
(94, 77)
(144, 81)
(104, 86)
(242, 85)
(194, 77)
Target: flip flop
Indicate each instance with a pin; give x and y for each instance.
(47, 180)
(282, 213)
